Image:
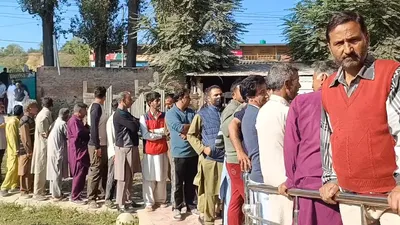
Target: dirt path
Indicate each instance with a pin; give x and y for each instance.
(15, 198)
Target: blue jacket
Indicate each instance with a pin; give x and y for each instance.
(210, 117)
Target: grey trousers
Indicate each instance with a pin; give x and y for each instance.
(123, 174)
(111, 182)
(97, 176)
(55, 188)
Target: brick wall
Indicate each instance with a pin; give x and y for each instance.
(67, 89)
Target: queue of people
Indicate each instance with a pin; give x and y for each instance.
(281, 138)
(285, 141)
(352, 147)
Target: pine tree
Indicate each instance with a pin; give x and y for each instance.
(305, 27)
(192, 35)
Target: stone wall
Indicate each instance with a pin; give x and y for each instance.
(67, 89)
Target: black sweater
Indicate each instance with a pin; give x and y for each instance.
(126, 129)
(95, 114)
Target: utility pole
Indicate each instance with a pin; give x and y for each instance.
(122, 44)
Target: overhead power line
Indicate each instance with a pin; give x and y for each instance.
(27, 16)
(16, 17)
(17, 41)
(18, 24)
(9, 6)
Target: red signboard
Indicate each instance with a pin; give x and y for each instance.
(238, 53)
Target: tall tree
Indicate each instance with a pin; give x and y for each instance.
(305, 27)
(45, 9)
(79, 50)
(36, 50)
(133, 17)
(13, 57)
(11, 50)
(192, 35)
(96, 26)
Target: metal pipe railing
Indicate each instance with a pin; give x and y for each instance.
(374, 200)
(356, 199)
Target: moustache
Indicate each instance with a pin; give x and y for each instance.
(351, 57)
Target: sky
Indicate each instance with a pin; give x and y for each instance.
(264, 17)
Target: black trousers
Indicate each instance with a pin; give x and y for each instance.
(185, 190)
(2, 151)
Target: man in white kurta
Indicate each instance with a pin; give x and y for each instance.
(284, 83)
(39, 160)
(57, 154)
(11, 98)
(155, 159)
(111, 182)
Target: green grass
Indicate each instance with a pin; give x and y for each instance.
(13, 214)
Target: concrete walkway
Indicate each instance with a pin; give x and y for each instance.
(165, 217)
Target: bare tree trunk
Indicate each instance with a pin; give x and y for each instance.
(48, 31)
(133, 15)
(100, 55)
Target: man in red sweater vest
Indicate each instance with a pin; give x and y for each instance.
(360, 123)
(155, 157)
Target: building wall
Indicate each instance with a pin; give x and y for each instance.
(282, 50)
(264, 50)
(67, 89)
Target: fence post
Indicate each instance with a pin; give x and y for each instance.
(296, 210)
(136, 88)
(246, 198)
(363, 217)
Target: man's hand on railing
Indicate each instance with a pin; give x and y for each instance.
(328, 191)
(394, 200)
(282, 189)
(244, 161)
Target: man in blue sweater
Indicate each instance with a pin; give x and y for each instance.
(185, 159)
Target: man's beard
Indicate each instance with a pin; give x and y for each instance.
(218, 102)
(353, 60)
